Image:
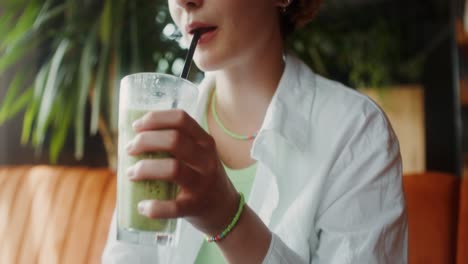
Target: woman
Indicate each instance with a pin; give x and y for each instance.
(319, 162)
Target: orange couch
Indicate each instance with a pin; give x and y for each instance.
(54, 215)
(437, 218)
(61, 215)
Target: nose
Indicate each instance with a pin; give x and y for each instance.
(189, 4)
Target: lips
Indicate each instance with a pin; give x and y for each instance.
(207, 31)
(202, 30)
(207, 36)
(201, 27)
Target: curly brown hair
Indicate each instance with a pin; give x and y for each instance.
(299, 13)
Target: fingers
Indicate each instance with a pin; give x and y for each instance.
(172, 119)
(164, 209)
(173, 142)
(170, 170)
(158, 209)
(194, 164)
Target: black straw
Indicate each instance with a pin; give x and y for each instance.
(189, 57)
(188, 60)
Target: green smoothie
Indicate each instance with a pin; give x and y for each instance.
(131, 193)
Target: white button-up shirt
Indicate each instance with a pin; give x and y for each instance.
(328, 183)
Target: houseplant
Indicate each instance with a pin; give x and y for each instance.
(93, 44)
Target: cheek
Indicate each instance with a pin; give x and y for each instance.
(175, 12)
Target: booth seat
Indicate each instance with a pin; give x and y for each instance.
(61, 215)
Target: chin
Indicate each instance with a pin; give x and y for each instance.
(207, 63)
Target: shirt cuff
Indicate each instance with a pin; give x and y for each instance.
(280, 253)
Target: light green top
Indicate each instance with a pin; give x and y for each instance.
(242, 180)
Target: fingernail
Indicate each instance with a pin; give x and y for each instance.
(137, 124)
(131, 172)
(143, 207)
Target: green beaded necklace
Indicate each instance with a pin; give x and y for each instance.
(220, 124)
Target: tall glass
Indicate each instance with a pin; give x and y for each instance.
(139, 94)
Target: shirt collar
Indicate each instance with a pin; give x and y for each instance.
(289, 111)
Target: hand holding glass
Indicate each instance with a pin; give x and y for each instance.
(139, 94)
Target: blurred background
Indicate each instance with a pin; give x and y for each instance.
(61, 62)
(60, 66)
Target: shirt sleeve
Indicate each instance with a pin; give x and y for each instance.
(116, 252)
(363, 215)
(280, 253)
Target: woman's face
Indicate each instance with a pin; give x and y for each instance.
(238, 29)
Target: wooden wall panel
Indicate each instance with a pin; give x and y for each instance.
(404, 107)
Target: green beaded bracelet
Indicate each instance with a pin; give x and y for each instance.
(231, 225)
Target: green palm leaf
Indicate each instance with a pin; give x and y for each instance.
(11, 97)
(33, 108)
(105, 38)
(62, 127)
(22, 25)
(28, 121)
(6, 20)
(101, 81)
(20, 103)
(85, 75)
(12, 56)
(46, 16)
(54, 78)
(40, 81)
